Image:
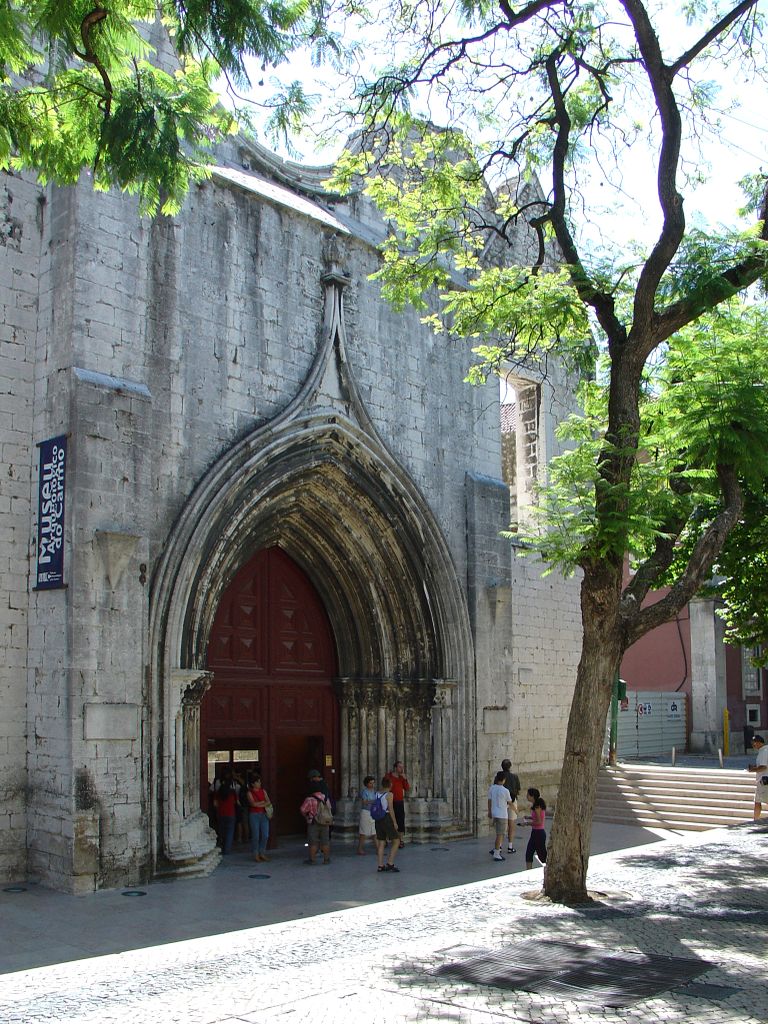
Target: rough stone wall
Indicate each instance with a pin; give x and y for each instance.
(546, 632)
(528, 637)
(20, 244)
(527, 628)
(156, 346)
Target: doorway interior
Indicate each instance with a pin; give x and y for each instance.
(272, 707)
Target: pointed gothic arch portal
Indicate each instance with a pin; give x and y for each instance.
(318, 486)
(271, 706)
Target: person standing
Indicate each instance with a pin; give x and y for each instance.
(386, 828)
(226, 814)
(399, 787)
(538, 842)
(760, 767)
(367, 826)
(512, 782)
(318, 815)
(498, 811)
(257, 812)
(749, 735)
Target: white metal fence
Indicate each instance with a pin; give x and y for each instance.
(650, 724)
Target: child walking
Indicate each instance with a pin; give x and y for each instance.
(498, 810)
(538, 842)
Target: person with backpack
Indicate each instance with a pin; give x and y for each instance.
(317, 810)
(382, 810)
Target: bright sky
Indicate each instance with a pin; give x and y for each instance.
(737, 145)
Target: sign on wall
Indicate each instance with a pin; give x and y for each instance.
(50, 513)
(674, 709)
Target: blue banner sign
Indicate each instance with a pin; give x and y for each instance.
(50, 514)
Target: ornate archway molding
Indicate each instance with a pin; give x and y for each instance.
(319, 482)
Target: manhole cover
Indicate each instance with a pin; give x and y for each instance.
(134, 892)
(15, 888)
(440, 849)
(579, 973)
(259, 876)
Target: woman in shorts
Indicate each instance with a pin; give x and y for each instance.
(367, 827)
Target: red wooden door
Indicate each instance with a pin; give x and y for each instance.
(273, 658)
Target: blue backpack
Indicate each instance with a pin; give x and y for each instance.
(377, 808)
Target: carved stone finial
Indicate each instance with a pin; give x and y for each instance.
(332, 253)
(332, 257)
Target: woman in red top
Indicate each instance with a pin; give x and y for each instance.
(257, 802)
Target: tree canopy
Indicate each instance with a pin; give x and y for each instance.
(672, 436)
(82, 88)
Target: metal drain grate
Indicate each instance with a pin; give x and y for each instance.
(579, 973)
(705, 990)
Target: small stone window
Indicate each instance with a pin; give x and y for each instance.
(751, 675)
(520, 442)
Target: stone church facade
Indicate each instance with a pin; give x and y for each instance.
(281, 530)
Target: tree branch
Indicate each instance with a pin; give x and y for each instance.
(601, 302)
(670, 200)
(725, 22)
(648, 573)
(526, 13)
(706, 550)
(729, 283)
(89, 55)
(663, 554)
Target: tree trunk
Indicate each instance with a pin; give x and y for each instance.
(565, 875)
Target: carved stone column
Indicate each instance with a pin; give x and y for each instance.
(189, 841)
(443, 740)
(390, 719)
(349, 732)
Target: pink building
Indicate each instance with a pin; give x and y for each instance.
(689, 656)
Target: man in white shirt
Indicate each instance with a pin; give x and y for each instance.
(761, 768)
(498, 810)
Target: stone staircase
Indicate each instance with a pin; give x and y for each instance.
(690, 799)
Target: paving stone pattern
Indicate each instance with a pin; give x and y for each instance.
(702, 897)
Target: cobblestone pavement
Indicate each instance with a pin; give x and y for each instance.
(698, 896)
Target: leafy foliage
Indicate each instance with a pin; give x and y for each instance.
(450, 234)
(672, 433)
(82, 89)
(704, 405)
(742, 581)
(671, 425)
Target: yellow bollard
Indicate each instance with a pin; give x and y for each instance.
(726, 732)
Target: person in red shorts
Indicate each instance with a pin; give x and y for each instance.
(400, 786)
